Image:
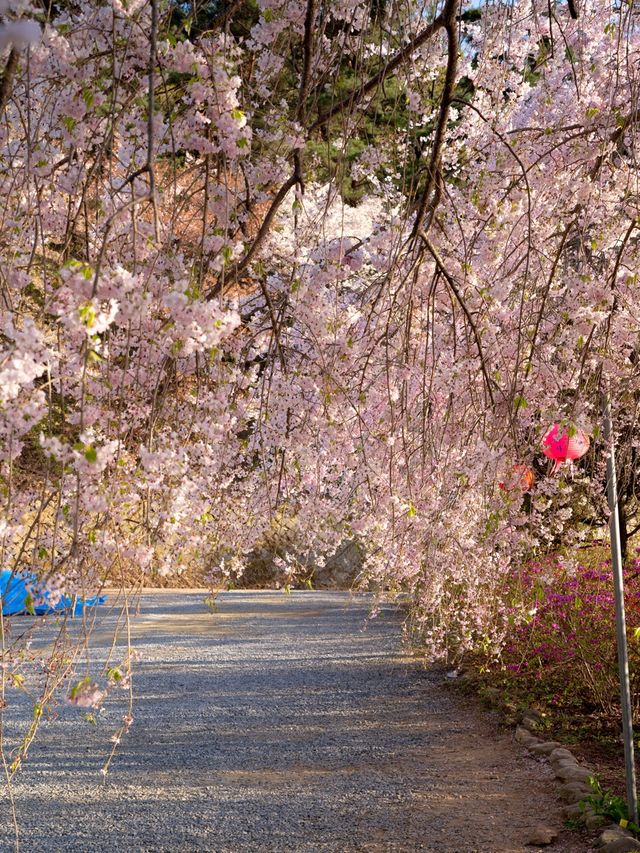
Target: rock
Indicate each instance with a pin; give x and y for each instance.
(573, 792)
(530, 722)
(566, 762)
(491, 695)
(594, 821)
(561, 753)
(566, 765)
(613, 833)
(341, 567)
(573, 812)
(334, 571)
(524, 736)
(621, 845)
(544, 748)
(574, 773)
(533, 714)
(542, 835)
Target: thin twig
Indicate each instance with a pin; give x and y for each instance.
(456, 292)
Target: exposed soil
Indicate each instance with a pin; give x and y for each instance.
(603, 756)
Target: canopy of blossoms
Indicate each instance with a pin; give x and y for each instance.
(326, 267)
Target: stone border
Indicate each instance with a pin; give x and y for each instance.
(574, 787)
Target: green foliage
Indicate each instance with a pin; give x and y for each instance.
(608, 805)
(114, 674)
(79, 686)
(329, 162)
(192, 19)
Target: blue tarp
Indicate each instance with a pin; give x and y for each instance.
(16, 598)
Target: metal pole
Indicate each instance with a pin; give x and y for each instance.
(618, 585)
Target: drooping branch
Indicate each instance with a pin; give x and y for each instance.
(460, 300)
(227, 278)
(430, 197)
(614, 139)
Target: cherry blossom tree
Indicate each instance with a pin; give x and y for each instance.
(329, 268)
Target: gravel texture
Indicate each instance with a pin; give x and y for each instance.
(277, 723)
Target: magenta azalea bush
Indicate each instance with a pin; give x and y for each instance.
(560, 644)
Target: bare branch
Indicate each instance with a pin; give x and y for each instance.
(308, 51)
(7, 78)
(226, 280)
(431, 197)
(222, 18)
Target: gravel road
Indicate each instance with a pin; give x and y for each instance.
(279, 723)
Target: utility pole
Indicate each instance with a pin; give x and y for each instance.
(621, 632)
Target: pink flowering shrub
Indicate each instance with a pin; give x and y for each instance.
(559, 650)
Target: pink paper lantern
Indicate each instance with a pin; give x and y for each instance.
(560, 446)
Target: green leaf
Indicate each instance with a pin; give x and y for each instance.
(91, 455)
(87, 97)
(16, 678)
(87, 314)
(79, 686)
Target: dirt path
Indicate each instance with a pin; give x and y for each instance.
(279, 723)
